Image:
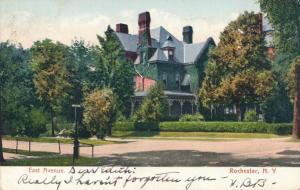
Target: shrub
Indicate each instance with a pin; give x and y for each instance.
(237, 127)
(15, 127)
(154, 106)
(124, 126)
(83, 132)
(170, 118)
(195, 117)
(136, 126)
(64, 125)
(100, 112)
(146, 126)
(66, 133)
(251, 116)
(37, 123)
(221, 117)
(120, 116)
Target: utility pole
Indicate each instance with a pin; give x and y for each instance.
(76, 141)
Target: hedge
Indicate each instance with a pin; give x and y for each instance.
(237, 127)
(139, 126)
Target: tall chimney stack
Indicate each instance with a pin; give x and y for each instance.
(144, 27)
(187, 33)
(122, 28)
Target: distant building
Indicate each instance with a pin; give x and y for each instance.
(267, 29)
(159, 57)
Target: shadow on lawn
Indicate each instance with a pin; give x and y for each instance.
(195, 158)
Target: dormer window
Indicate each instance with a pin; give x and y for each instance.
(168, 48)
(170, 54)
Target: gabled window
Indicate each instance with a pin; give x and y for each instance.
(168, 48)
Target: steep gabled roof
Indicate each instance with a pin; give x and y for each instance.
(158, 56)
(184, 53)
(128, 41)
(191, 51)
(161, 35)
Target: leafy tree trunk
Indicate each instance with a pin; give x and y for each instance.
(109, 130)
(52, 123)
(1, 128)
(296, 131)
(238, 112)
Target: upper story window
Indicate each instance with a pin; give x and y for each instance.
(170, 54)
(177, 81)
(165, 79)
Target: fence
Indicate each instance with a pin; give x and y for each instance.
(59, 146)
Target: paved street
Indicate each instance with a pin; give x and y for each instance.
(148, 152)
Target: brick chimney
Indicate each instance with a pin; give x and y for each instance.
(260, 23)
(144, 26)
(187, 33)
(122, 28)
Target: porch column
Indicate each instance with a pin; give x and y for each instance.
(132, 107)
(170, 102)
(192, 107)
(181, 104)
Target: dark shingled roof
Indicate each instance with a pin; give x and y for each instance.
(184, 53)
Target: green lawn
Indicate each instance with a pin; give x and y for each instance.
(62, 140)
(47, 159)
(190, 135)
(57, 161)
(27, 153)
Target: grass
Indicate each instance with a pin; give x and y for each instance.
(62, 140)
(27, 153)
(190, 135)
(57, 161)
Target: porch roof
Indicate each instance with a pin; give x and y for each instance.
(166, 92)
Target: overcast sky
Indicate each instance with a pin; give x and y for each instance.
(26, 21)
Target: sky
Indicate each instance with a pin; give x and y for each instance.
(26, 21)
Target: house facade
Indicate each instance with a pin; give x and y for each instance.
(159, 57)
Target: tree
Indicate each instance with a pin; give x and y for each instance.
(97, 74)
(100, 112)
(154, 106)
(51, 76)
(123, 85)
(36, 123)
(16, 89)
(120, 71)
(5, 73)
(77, 67)
(284, 16)
(238, 72)
(278, 107)
(294, 86)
